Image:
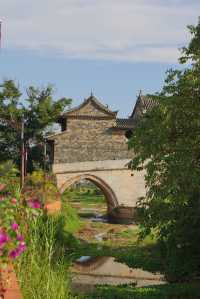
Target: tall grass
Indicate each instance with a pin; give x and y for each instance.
(42, 270)
(72, 220)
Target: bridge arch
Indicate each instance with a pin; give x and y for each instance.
(109, 194)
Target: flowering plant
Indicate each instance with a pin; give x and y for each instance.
(14, 216)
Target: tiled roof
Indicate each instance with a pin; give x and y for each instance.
(125, 123)
(147, 102)
(143, 104)
(93, 100)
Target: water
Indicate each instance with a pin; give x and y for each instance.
(83, 259)
(90, 271)
(93, 215)
(99, 218)
(87, 271)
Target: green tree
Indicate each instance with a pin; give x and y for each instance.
(167, 145)
(39, 112)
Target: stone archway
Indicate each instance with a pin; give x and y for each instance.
(109, 194)
(93, 145)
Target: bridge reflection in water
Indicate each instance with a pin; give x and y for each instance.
(90, 271)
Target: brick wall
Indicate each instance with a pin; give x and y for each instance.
(90, 140)
(90, 137)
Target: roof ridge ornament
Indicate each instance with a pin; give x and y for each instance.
(94, 100)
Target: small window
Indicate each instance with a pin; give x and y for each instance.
(64, 125)
(128, 134)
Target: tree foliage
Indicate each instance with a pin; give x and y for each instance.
(167, 145)
(38, 110)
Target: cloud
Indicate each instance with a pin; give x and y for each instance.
(122, 30)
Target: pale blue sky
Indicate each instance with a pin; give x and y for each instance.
(112, 47)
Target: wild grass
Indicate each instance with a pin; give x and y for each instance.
(85, 195)
(42, 270)
(72, 220)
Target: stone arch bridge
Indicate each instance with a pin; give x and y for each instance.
(93, 146)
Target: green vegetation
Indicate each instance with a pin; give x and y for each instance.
(145, 254)
(88, 199)
(52, 248)
(38, 110)
(174, 291)
(9, 176)
(42, 186)
(166, 144)
(42, 270)
(136, 256)
(8, 170)
(53, 244)
(128, 233)
(72, 221)
(87, 195)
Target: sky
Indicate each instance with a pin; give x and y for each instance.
(113, 48)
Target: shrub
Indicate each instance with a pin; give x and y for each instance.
(42, 186)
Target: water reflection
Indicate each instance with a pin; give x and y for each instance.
(89, 271)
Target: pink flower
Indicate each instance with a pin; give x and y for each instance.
(22, 247)
(4, 238)
(20, 237)
(17, 251)
(14, 253)
(2, 198)
(14, 226)
(34, 203)
(14, 201)
(2, 186)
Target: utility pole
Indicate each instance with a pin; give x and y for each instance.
(45, 160)
(25, 159)
(45, 155)
(22, 154)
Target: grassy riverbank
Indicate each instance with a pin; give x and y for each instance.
(57, 241)
(121, 242)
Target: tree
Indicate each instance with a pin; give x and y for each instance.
(38, 110)
(167, 145)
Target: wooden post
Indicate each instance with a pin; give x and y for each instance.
(25, 159)
(22, 154)
(45, 156)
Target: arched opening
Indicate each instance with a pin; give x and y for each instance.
(90, 190)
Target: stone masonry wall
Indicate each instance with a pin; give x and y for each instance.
(90, 139)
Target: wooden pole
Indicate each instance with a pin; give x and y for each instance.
(25, 159)
(22, 154)
(45, 156)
